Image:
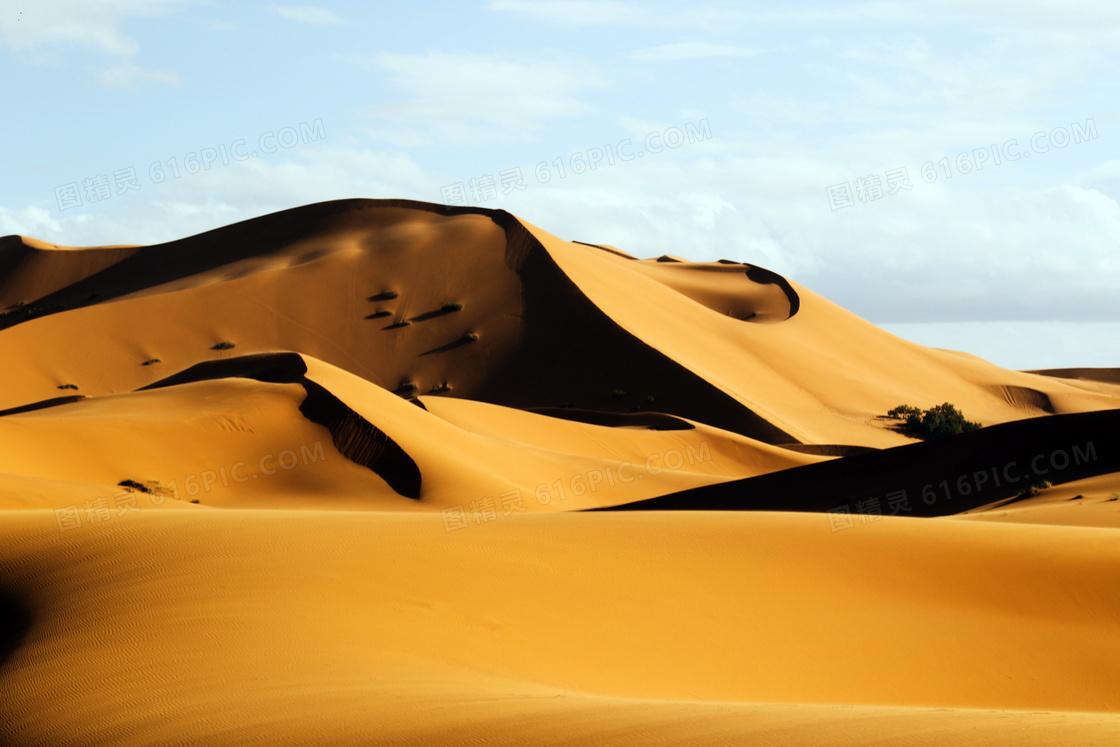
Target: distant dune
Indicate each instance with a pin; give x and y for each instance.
(383, 471)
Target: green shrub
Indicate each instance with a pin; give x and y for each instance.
(936, 422)
(902, 412)
(134, 485)
(1035, 489)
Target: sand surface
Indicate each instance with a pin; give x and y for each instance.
(324, 477)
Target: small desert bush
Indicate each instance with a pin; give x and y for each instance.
(936, 422)
(224, 345)
(1035, 489)
(452, 307)
(136, 486)
(67, 386)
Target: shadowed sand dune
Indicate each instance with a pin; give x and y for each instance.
(936, 478)
(354, 437)
(541, 310)
(389, 472)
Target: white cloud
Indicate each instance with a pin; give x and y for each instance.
(572, 11)
(691, 51)
(45, 26)
(1023, 346)
(456, 99)
(226, 194)
(305, 13)
(127, 74)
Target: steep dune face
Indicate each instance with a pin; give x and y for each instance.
(735, 289)
(285, 430)
(372, 471)
(821, 376)
(31, 270)
(476, 304)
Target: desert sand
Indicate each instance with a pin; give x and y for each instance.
(381, 471)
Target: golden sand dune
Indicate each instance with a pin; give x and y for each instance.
(284, 430)
(233, 627)
(381, 471)
(479, 305)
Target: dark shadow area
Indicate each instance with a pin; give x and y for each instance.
(361, 442)
(767, 277)
(272, 368)
(310, 256)
(384, 296)
(355, 437)
(434, 314)
(449, 346)
(572, 351)
(832, 450)
(42, 405)
(939, 478)
(654, 421)
(16, 619)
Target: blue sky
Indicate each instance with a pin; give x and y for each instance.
(947, 170)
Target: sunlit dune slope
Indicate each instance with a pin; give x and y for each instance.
(477, 304)
(385, 626)
(282, 429)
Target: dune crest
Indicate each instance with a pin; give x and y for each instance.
(384, 471)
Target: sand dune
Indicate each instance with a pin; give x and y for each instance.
(559, 627)
(382, 471)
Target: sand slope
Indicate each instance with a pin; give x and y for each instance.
(542, 309)
(382, 472)
(558, 625)
(241, 441)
